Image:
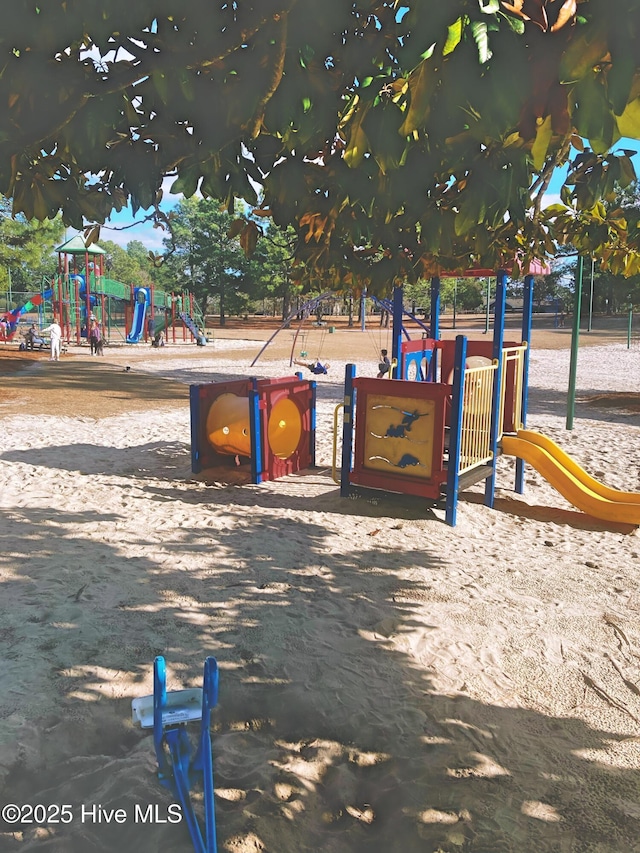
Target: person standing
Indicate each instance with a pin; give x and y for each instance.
(95, 337)
(55, 333)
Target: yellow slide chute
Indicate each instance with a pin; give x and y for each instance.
(572, 481)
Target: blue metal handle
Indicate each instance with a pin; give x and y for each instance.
(159, 703)
(179, 747)
(203, 760)
(178, 773)
(209, 701)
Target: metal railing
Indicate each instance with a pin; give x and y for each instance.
(475, 440)
(516, 356)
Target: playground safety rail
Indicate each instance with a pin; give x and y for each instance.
(516, 356)
(475, 440)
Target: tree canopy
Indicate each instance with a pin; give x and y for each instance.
(398, 137)
(130, 265)
(26, 249)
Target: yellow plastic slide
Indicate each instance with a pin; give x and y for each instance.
(572, 481)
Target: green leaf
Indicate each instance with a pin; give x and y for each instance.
(422, 85)
(554, 210)
(489, 7)
(629, 121)
(584, 52)
(481, 38)
(627, 171)
(516, 24)
(592, 118)
(472, 211)
(358, 144)
(187, 182)
(454, 34)
(381, 125)
(541, 143)
(161, 84)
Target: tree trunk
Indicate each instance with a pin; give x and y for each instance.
(223, 318)
(286, 304)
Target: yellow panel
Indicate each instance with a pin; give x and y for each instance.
(399, 434)
(284, 429)
(228, 425)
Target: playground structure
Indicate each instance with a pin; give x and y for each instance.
(80, 289)
(272, 422)
(179, 766)
(436, 429)
(458, 406)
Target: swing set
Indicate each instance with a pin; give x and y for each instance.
(304, 312)
(397, 312)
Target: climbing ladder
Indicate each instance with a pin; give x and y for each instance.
(190, 323)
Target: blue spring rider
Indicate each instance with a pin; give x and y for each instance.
(179, 767)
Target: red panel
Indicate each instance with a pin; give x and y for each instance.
(271, 392)
(404, 483)
(420, 345)
(299, 392)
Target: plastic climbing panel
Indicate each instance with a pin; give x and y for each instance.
(399, 436)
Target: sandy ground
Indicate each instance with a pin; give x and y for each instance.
(387, 683)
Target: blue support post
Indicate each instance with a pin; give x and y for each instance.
(203, 760)
(194, 407)
(455, 431)
(396, 336)
(434, 324)
(159, 702)
(434, 315)
(363, 309)
(575, 343)
(347, 430)
(313, 414)
(255, 429)
(498, 341)
(527, 317)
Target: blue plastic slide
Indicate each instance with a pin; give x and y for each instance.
(142, 301)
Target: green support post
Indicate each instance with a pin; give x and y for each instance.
(629, 327)
(575, 343)
(589, 324)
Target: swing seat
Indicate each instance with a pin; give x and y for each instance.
(182, 706)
